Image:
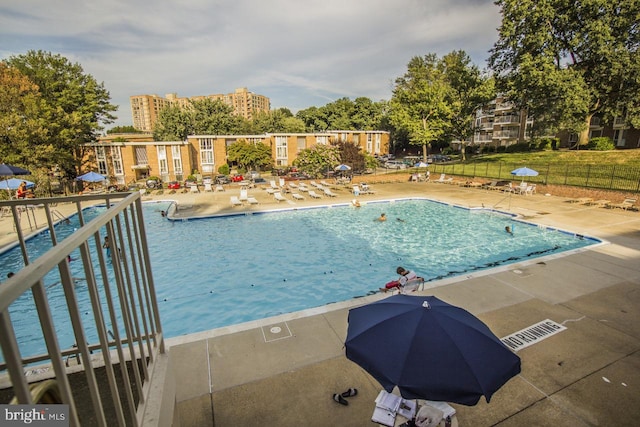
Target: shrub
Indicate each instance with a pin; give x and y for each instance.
(601, 143)
(518, 148)
(224, 169)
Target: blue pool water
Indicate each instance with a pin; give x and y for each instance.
(221, 271)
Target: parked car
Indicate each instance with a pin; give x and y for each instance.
(395, 164)
(237, 178)
(439, 158)
(173, 185)
(222, 179)
(152, 183)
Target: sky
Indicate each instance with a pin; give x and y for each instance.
(298, 53)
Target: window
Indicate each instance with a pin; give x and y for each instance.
(369, 146)
(177, 160)
(141, 156)
(378, 142)
(281, 149)
(162, 162)
(116, 160)
(302, 143)
(101, 158)
(206, 154)
(322, 139)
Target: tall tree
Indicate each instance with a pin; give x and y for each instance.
(566, 61)
(421, 102)
(173, 124)
(470, 89)
(22, 120)
(279, 120)
(75, 104)
(214, 117)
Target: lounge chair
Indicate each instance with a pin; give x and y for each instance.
(581, 200)
(272, 190)
(329, 193)
(356, 190)
(314, 184)
(521, 189)
(273, 185)
(303, 187)
(314, 194)
(531, 189)
(207, 187)
(219, 187)
(443, 179)
(297, 196)
(626, 204)
(293, 185)
(194, 188)
(243, 195)
(235, 201)
(279, 197)
(599, 203)
(252, 200)
(365, 189)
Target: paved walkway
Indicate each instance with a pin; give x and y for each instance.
(283, 371)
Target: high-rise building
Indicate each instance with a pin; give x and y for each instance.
(145, 108)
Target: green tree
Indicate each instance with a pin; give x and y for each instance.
(314, 119)
(566, 61)
(214, 117)
(279, 120)
(248, 155)
(173, 124)
(22, 122)
(421, 102)
(74, 104)
(470, 90)
(123, 129)
(318, 159)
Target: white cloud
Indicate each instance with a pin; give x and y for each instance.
(298, 53)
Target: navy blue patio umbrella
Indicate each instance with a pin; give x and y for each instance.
(10, 170)
(429, 349)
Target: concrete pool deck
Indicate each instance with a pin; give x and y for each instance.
(283, 371)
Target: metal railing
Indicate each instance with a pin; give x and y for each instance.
(124, 314)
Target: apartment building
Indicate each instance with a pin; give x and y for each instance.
(621, 133)
(139, 157)
(500, 123)
(145, 108)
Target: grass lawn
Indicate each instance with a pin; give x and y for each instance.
(582, 157)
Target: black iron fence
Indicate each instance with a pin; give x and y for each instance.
(606, 177)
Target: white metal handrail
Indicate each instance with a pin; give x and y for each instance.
(124, 305)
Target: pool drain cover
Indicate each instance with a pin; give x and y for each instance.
(276, 332)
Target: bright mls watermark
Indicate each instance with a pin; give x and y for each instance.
(34, 415)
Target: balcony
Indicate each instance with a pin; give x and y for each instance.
(506, 134)
(507, 120)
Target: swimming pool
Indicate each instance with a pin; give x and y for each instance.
(222, 271)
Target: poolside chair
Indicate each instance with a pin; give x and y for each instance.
(365, 189)
(252, 200)
(356, 190)
(581, 200)
(314, 184)
(303, 187)
(531, 189)
(293, 185)
(297, 196)
(600, 203)
(626, 204)
(235, 201)
(273, 185)
(272, 190)
(412, 285)
(194, 188)
(279, 197)
(281, 182)
(521, 189)
(314, 194)
(329, 193)
(219, 187)
(207, 186)
(243, 195)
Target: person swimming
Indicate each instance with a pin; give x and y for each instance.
(382, 217)
(508, 230)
